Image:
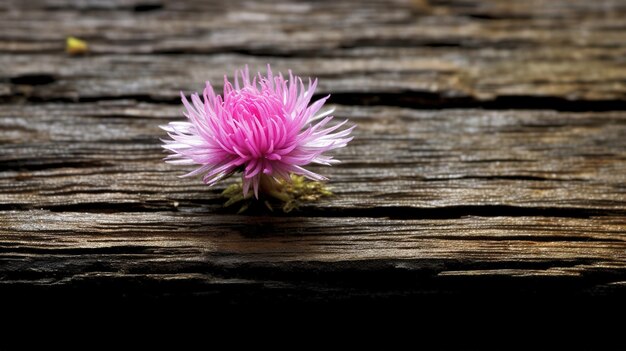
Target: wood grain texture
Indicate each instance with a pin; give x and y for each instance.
(110, 153)
(489, 156)
(467, 53)
(425, 77)
(333, 257)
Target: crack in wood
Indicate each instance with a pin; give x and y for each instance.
(407, 99)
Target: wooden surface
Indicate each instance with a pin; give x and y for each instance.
(489, 157)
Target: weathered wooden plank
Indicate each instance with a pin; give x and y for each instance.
(478, 200)
(440, 75)
(108, 154)
(304, 27)
(476, 50)
(207, 253)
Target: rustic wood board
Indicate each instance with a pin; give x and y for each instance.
(318, 257)
(109, 154)
(489, 155)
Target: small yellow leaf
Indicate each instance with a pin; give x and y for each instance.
(75, 46)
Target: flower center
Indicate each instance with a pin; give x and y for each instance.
(248, 105)
(259, 124)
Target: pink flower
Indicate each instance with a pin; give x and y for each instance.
(263, 127)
